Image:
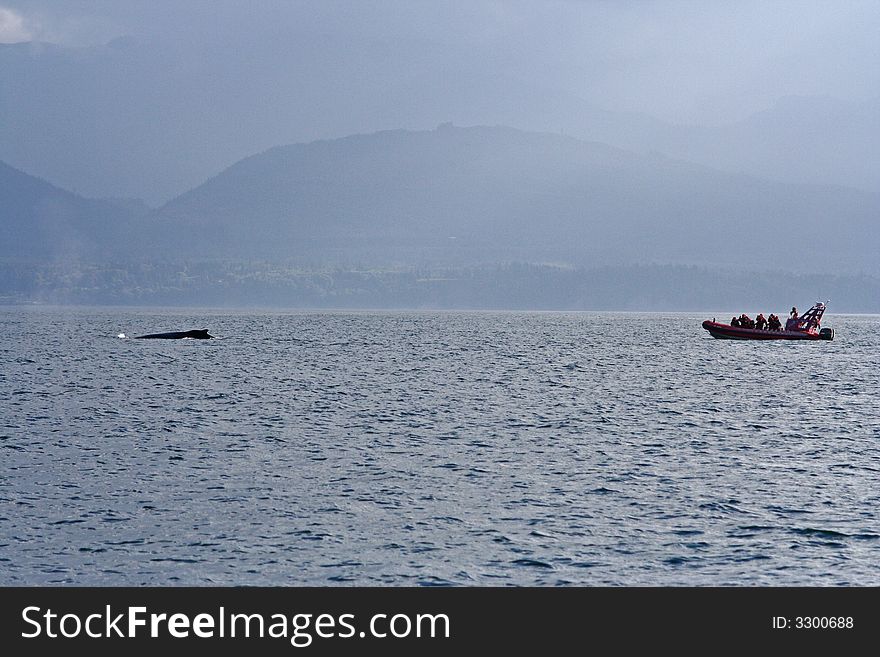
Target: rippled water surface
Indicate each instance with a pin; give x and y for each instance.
(434, 448)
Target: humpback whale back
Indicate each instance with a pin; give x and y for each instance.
(196, 334)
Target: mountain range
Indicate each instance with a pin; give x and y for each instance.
(41, 221)
(152, 119)
(460, 196)
(487, 194)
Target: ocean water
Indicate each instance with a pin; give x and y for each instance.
(434, 448)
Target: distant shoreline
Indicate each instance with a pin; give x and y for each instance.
(498, 286)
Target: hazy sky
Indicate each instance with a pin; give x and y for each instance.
(702, 62)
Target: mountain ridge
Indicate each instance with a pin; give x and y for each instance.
(42, 220)
(70, 112)
(459, 196)
(504, 189)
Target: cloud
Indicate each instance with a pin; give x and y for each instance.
(13, 28)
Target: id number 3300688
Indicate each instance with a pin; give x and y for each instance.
(813, 623)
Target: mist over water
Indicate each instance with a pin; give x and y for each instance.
(421, 448)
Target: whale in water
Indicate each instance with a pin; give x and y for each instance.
(177, 335)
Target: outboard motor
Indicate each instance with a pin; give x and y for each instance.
(826, 334)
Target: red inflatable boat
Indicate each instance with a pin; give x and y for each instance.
(805, 327)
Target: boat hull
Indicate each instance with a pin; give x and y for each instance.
(728, 332)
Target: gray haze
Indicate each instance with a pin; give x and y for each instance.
(455, 217)
(148, 99)
(439, 154)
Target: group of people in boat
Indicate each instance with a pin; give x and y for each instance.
(762, 323)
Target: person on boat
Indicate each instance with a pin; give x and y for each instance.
(760, 322)
(746, 322)
(773, 323)
(794, 322)
(734, 321)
